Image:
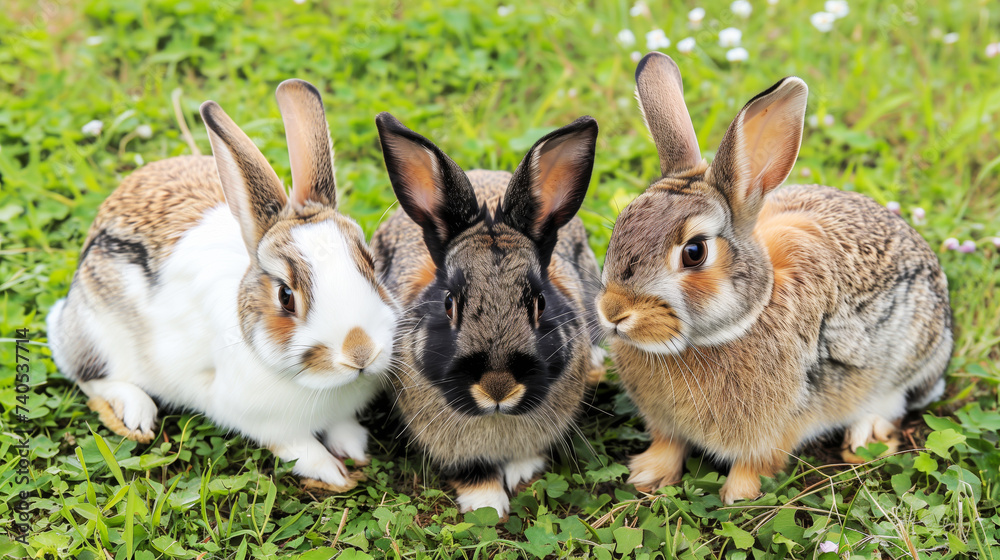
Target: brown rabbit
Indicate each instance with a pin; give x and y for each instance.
(747, 319)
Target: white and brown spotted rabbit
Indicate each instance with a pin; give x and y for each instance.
(746, 319)
(498, 284)
(264, 313)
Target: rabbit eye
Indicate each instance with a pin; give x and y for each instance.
(287, 298)
(539, 306)
(449, 305)
(693, 254)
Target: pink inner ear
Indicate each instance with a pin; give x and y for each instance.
(555, 172)
(772, 133)
(419, 168)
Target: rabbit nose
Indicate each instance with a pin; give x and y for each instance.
(359, 350)
(497, 390)
(614, 308)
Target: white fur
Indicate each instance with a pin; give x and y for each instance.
(516, 472)
(484, 496)
(185, 347)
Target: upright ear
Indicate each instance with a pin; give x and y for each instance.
(310, 150)
(431, 188)
(550, 184)
(759, 149)
(253, 191)
(660, 92)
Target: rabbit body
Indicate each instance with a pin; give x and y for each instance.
(495, 341)
(746, 319)
(175, 299)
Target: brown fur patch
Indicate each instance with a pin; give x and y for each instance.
(279, 328)
(359, 349)
(701, 284)
(785, 236)
(641, 317)
(113, 422)
(498, 385)
(660, 465)
(316, 357)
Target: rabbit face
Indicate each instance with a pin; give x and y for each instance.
(497, 332)
(310, 276)
(689, 279)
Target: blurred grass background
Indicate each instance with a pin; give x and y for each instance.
(904, 106)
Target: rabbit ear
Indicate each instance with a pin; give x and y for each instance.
(310, 150)
(551, 182)
(431, 188)
(660, 92)
(759, 149)
(253, 191)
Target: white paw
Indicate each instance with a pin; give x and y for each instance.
(129, 411)
(471, 498)
(313, 461)
(516, 472)
(348, 439)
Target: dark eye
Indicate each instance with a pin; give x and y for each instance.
(287, 298)
(539, 306)
(693, 254)
(449, 305)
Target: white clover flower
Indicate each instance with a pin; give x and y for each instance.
(93, 128)
(730, 37)
(299, 1)
(827, 546)
(967, 246)
(812, 121)
(685, 45)
(837, 8)
(742, 8)
(919, 215)
(950, 38)
(828, 120)
(571, 93)
(144, 131)
(636, 56)
(823, 21)
(951, 244)
(504, 11)
(138, 160)
(657, 39)
(739, 54)
(596, 28)
(893, 207)
(94, 40)
(806, 172)
(996, 242)
(640, 8)
(695, 16)
(992, 50)
(772, 2)
(626, 38)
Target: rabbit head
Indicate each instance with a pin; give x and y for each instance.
(493, 330)
(310, 305)
(683, 268)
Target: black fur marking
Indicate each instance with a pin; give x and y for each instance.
(92, 367)
(133, 252)
(473, 472)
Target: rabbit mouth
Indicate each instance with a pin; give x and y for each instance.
(497, 393)
(646, 322)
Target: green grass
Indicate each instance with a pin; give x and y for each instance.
(914, 121)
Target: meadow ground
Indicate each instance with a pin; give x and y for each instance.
(904, 107)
